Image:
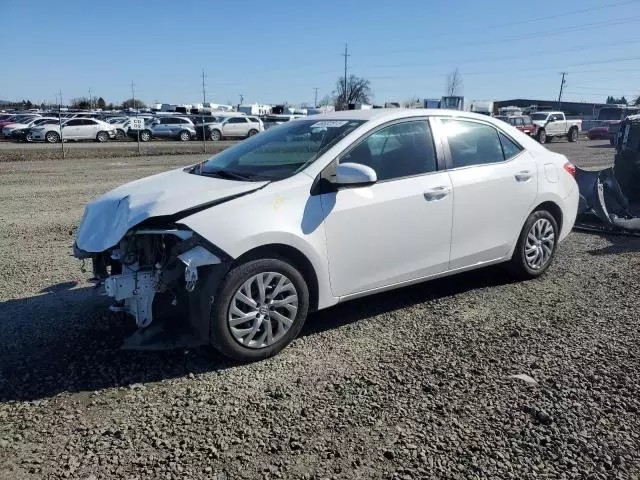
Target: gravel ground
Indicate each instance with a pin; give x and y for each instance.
(413, 383)
(19, 152)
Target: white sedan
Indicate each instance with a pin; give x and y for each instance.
(236, 251)
(75, 129)
(34, 122)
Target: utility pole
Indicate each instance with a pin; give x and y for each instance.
(60, 121)
(562, 84)
(204, 129)
(90, 101)
(241, 99)
(133, 97)
(315, 101)
(346, 96)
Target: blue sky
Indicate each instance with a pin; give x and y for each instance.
(280, 50)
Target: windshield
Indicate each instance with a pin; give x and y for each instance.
(279, 152)
(610, 114)
(539, 116)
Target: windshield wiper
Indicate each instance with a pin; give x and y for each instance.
(226, 174)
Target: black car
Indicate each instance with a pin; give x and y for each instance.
(21, 135)
(202, 122)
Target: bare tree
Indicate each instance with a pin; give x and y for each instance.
(326, 100)
(80, 103)
(129, 103)
(411, 102)
(454, 83)
(358, 91)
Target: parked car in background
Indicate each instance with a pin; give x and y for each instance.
(169, 127)
(555, 124)
(75, 129)
(17, 119)
(521, 122)
(236, 127)
(238, 249)
(599, 133)
(114, 120)
(202, 124)
(122, 127)
(21, 131)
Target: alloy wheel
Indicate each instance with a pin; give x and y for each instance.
(263, 310)
(540, 243)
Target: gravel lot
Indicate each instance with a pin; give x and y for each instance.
(413, 383)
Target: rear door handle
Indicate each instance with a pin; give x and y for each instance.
(523, 176)
(436, 193)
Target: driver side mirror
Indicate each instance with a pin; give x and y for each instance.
(355, 175)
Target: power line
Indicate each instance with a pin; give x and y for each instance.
(563, 15)
(502, 39)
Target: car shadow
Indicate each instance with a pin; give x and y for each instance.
(619, 243)
(66, 341)
(603, 145)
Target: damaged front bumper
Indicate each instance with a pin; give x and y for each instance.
(165, 279)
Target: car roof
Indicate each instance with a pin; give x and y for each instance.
(389, 114)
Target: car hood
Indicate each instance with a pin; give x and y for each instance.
(108, 218)
(13, 126)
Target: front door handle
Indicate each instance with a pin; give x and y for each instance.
(436, 193)
(523, 176)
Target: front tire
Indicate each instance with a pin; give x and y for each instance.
(536, 245)
(52, 137)
(216, 135)
(259, 309)
(252, 132)
(542, 136)
(145, 136)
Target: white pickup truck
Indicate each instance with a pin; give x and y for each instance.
(554, 124)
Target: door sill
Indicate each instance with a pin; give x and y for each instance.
(414, 281)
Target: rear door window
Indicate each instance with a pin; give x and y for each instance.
(472, 143)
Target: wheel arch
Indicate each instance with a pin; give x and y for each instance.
(554, 209)
(295, 257)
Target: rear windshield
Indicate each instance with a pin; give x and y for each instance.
(539, 116)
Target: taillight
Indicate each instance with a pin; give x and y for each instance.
(570, 168)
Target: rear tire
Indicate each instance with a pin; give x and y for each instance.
(226, 338)
(536, 245)
(52, 137)
(573, 135)
(252, 132)
(184, 136)
(102, 137)
(145, 136)
(120, 134)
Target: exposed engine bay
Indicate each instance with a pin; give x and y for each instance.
(610, 198)
(157, 276)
